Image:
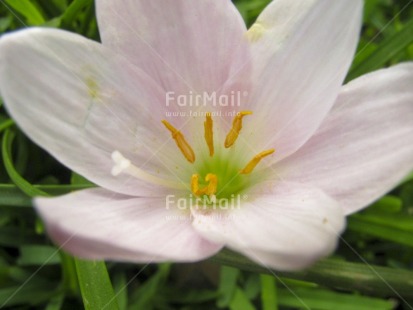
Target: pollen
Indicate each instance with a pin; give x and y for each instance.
(236, 128)
(209, 190)
(209, 133)
(254, 162)
(182, 144)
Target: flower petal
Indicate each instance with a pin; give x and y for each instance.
(285, 221)
(301, 53)
(81, 102)
(184, 45)
(98, 224)
(365, 146)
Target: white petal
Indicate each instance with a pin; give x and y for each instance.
(293, 221)
(185, 45)
(301, 53)
(81, 102)
(365, 146)
(97, 224)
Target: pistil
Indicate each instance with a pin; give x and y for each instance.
(124, 165)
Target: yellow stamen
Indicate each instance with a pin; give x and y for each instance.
(181, 142)
(236, 128)
(209, 190)
(209, 134)
(212, 180)
(195, 184)
(254, 162)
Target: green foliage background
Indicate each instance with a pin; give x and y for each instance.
(372, 268)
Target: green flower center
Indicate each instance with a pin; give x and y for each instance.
(220, 176)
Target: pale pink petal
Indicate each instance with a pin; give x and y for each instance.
(301, 53)
(365, 146)
(184, 45)
(98, 224)
(81, 102)
(280, 221)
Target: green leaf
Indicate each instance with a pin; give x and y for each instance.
(4, 124)
(38, 255)
(28, 10)
(176, 295)
(31, 293)
(367, 226)
(227, 286)
(367, 279)
(398, 221)
(69, 274)
(240, 301)
(13, 236)
(56, 302)
(327, 300)
(73, 10)
(5, 23)
(11, 195)
(387, 49)
(388, 204)
(147, 293)
(408, 178)
(95, 286)
(17, 179)
(80, 180)
(268, 292)
(252, 286)
(120, 286)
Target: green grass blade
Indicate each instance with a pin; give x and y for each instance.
(11, 195)
(227, 286)
(28, 10)
(268, 292)
(73, 10)
(326, 300)
(240, 301)
(390, 47)
(369, 226)
(38, 255)
(6, 124)
(147, 294)
(17, 179)
(367, 279)
(95, 286)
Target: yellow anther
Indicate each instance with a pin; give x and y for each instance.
(209, 134)
(181, 142)
(236, 128)
(254, 162)
(195, 184)
(212, 180)
(209, 190)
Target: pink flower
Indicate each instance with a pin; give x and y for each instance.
(302, 152)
